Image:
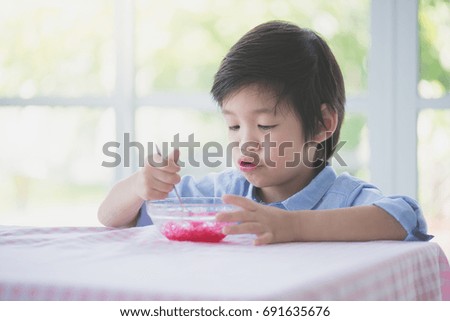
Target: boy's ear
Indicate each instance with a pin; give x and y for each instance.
(330, 121)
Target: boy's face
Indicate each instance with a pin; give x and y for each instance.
(272, 153)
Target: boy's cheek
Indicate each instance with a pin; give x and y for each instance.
(235, 154)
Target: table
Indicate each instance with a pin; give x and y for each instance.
(96, 263)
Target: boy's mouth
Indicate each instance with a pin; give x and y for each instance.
(246, 166)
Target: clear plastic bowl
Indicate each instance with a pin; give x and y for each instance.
(194, 221)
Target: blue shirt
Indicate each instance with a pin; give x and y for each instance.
(326, 191)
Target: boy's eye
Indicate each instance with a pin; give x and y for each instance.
(266, 127)
(233, 128)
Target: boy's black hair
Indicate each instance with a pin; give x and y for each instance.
(296, 64)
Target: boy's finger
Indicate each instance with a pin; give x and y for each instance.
(240, 201)
(238, 216)
(174, 156)
(161, 163)
(161, 186)
(166, 177)
(171, 161)
(244, 228)
(263, 239)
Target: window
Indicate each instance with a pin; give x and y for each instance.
(79, 74)
(434, 117)
(56, 73)
(49, 165)
(57, 49)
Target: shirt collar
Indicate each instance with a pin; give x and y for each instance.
(310, 195)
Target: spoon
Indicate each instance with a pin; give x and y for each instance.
(174, 187)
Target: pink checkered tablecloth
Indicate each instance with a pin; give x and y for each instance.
(98, 263)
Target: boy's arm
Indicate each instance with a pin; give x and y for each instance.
(121, 206)
(359, 223)
(274, 225)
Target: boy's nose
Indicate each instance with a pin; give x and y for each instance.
(250, 145)
(249, 141)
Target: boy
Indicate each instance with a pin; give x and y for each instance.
(282, 95)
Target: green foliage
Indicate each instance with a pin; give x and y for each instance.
(56, 49)
(351, 130)
(434, 32)
(191, 40)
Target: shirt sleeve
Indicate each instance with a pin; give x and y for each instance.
(408, 213)
(404, 209)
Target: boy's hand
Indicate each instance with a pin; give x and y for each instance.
(158, 176)
(269, 224)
